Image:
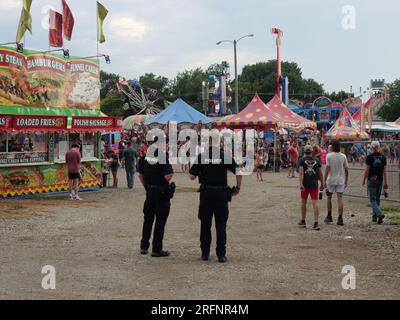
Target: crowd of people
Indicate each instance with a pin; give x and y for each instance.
(320, 170)
(313, 181)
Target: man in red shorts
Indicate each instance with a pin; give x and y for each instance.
(310, 172)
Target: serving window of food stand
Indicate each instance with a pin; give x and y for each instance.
(90, 129)
(27, 139)
(88, 142)
(24, 148)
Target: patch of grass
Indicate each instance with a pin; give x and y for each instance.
(391, 208)
(393, 213)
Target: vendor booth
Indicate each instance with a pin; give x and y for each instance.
(47, 103)
(261, 116)
(346, 128)
(273, 116)
(179, 112)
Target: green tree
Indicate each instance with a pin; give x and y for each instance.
(187, 85)
(391, 109)
(107, 83)
(112, 104)
(339, 96)
(261, 78)
(159, 83)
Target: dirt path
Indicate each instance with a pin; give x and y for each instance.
(94, 247)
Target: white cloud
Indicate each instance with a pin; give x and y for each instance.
(10, 4)
(127, 27)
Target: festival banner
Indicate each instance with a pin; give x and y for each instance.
(41, 123)
(25, 21)
(55, 29)
(68, 20)
(101, 15)
(40, 79)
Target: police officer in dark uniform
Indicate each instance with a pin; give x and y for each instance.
(214, 194)
(155, 177)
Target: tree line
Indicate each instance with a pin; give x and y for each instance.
(256, 78)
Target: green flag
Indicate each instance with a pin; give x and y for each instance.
(101, 15)
(25, 22)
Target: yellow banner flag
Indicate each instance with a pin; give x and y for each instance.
(25, 22)
(101, 15)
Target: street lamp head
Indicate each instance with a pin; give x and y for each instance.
(218, 43)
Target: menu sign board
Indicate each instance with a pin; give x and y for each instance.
(47, 123)
(93, 123)
(22, 157)
(48, 80)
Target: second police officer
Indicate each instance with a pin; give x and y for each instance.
(214, 195)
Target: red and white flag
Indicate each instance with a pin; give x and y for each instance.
(55, 30)
(68, 20)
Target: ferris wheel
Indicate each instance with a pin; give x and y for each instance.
(139, 98)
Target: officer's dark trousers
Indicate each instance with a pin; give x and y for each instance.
(156, 207)
(213, 202)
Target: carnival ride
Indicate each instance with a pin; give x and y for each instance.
(282, 82)
(218, 74)
(139, 98)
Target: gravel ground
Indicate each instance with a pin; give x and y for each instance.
(94, 245)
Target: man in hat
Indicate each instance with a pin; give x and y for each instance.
(309, 174)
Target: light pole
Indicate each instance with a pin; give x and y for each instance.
(235, 42)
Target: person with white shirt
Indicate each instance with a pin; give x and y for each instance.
(336, 179)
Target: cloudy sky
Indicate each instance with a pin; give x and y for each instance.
(167, 36)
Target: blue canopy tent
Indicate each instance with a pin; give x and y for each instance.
(179, 112)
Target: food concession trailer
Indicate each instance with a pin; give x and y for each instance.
(47, 103)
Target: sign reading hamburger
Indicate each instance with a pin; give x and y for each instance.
(48, 80)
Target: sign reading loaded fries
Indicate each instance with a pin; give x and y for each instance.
(43, 123)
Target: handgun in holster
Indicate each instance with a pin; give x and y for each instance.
(171, 190)
(229, 192)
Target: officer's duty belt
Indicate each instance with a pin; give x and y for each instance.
(149, 186)
(214, 187)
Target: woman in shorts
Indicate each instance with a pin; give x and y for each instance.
(114, 166)
(259, 164)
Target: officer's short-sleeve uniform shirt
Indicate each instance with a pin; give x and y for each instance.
(154, 172)
(213, 172)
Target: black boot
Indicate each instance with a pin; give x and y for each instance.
(328, 218)
(160, 254)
